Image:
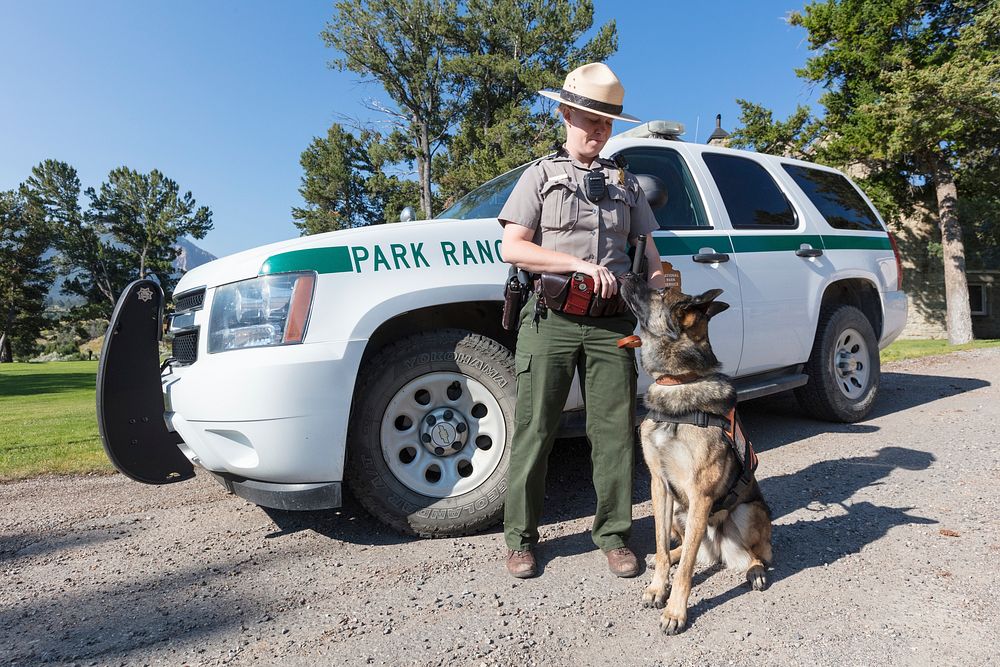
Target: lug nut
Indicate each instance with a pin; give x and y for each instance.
(431, 420)
(426, 437)
(439, 451)
(461, 428)
(448, 414)
(457, 445)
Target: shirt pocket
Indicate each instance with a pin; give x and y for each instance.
(620, 213)
(559, 205)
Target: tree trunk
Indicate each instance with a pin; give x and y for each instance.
(6, 353)
(956, 288)
(424, 167)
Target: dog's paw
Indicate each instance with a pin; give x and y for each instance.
(655, 596)
(672, 624)
(757, 578)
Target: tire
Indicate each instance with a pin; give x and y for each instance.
(429, 439)
(843, 369)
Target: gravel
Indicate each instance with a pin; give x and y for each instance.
(886, 539)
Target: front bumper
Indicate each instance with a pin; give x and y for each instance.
(276, 415)
(296, 497)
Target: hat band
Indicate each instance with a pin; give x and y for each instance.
(589, 103)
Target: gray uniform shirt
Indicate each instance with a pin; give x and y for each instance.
(551, 199)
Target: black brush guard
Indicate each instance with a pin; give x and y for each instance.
(129, 394)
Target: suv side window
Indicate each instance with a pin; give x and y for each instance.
(683, 208)
(752, 198)
(835, 198)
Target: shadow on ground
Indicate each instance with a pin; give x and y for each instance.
(44, 383)
(771, 422)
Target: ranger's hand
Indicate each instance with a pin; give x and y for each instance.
(605, 283)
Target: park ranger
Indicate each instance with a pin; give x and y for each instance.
(575, 213)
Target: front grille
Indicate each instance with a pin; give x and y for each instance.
(189, 300)
(185, 347)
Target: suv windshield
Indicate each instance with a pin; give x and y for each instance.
(486, 200)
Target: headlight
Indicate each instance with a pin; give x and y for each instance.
(272, 310)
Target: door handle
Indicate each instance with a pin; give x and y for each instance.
(808, 252)
(710, 257)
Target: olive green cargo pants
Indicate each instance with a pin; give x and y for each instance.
(547, 356)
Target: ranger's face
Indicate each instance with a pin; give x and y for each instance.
(586, 133)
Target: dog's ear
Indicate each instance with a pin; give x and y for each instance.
(714, 308)
(707, 304)
(705, 297)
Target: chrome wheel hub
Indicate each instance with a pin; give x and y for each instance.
(851, 361)
(443, 434)
(444, 431)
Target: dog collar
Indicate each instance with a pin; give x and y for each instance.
(667, 380)
(630, 341)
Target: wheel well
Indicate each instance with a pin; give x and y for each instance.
(481, 317)
(859, 293)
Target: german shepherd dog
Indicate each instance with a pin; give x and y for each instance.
(693, 467)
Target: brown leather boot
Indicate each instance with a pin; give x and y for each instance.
(521, 564)
(622, 562)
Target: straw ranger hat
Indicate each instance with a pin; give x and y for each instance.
(595, 88)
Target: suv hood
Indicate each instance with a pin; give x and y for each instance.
(247, 264)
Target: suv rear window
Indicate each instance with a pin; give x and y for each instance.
(835, 197)
(752, 198)
(683, 208)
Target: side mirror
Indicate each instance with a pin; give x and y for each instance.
(407, 214)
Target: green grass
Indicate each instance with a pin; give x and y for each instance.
(912, 349)
(48, 422)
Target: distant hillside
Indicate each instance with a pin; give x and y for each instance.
(190, 257)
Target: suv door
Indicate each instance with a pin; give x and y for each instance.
(780, 260)
(693, 242)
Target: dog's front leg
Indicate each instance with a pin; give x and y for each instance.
(655, 594)
(674, 617)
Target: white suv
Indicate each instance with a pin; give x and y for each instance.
(338, 357)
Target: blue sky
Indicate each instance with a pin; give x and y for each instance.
(223, 96)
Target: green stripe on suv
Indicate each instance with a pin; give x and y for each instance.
(335, 259)
(690, 245)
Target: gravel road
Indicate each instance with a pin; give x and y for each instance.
(886, 542)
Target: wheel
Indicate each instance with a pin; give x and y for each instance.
(843, 368)
(430, 432)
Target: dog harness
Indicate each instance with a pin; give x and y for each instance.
(739, 444)
(732, 428)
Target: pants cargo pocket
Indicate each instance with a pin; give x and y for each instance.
(522, 368)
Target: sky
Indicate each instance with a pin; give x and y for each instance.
(222, 96)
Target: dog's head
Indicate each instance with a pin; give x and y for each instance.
(673, 327)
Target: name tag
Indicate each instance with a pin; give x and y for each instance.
(557, 177)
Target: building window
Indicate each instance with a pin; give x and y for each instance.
(978, 301)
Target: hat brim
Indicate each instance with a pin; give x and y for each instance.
(554, 95)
